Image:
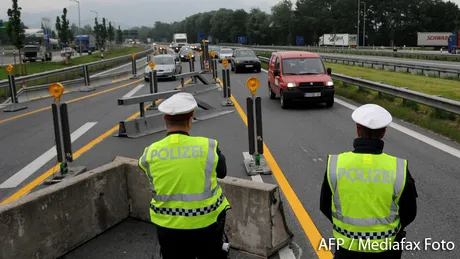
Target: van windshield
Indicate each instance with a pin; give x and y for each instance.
(303, 66)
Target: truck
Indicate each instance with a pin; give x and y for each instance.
(88, 43)
(433, 39)
(180, 39)
(37, 46)
(340, 40)
(453, 42)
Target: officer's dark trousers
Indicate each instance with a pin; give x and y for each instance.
(204, 243)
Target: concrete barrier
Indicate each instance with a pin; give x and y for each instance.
(51, 222)
(255, 224)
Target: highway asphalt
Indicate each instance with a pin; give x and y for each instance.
(299, 139)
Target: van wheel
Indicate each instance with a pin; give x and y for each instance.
(283, 102)
(271, 93)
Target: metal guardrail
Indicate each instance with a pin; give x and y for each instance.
(438, 69)
(403, 93)
(64, 74)
(376, 52)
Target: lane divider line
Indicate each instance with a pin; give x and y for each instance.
(30, 186)
(132, 92)
(32, 167)
(309, 227)
(71, 101)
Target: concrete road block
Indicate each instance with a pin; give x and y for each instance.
(256, 223)
(139, 189)
(52, 221)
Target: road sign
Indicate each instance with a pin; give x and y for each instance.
(252, 83)
(201, 52)
(133, 55)
(225, 63)
(190, 55)
(56, 90)
(9, 68)
(201, 36)
(1, 23)
(299, 40)
(152, 65)
(213, 55)
(242, 40)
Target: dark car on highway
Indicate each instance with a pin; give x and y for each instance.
(245, 59)
(184, 54)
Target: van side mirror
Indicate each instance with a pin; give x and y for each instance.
(276, 72)
(329, 71)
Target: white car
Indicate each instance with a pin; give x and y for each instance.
(167, 66)
(225, 54)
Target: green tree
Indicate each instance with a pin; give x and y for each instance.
(111, 32)
(119, 35)
(104, 34)
(281, 23)
(63, 29)
(15, 29)
(98, 34)
(258, 27)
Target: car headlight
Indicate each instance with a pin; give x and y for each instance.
(291, 85)
(330, 83)
(181, 56)
(237, 61)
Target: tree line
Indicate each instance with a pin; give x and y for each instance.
(386, 22)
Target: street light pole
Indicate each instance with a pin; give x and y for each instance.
(359, 16)
(97, 14)
(79, 25)
(364, 23)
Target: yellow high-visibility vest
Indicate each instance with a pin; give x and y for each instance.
(182, 171)
(366, 189)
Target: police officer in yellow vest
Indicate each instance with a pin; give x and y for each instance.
(369, 196)
(187, 206)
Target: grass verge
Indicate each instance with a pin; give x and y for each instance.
(444, 123)
(37, 67)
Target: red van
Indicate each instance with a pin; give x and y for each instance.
(299, 76)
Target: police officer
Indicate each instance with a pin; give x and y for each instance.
(369, 196)
(187, 206)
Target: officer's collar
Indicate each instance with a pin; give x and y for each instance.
(177, 132)
(369, 146)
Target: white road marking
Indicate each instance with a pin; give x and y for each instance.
(412, 133)
(115, 68)
(132, 92)
(407, 131)
(286, 253)
(31, 168)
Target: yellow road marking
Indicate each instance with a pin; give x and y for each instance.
(186, 82)
(30, 186)
(305, 220)
(70, 101)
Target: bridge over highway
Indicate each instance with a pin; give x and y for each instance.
(297, 142)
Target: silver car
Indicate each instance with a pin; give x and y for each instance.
(225, 54)
(167, 66)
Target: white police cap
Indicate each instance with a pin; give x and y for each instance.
(372, 116)
(180, 103)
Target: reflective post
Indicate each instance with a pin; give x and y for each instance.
(13, 93)
(253, 160)
(134, 66)
(153, 85)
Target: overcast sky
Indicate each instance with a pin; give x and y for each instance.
(127, 13)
